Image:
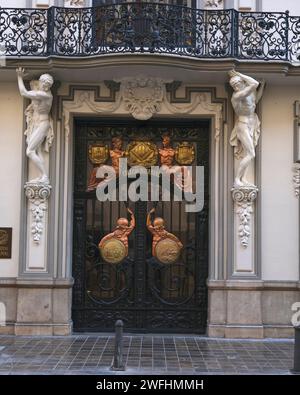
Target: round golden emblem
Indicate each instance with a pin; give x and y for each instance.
(167, 250)
(113, 250)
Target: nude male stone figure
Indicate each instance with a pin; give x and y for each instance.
(40, 129)
(246, 131)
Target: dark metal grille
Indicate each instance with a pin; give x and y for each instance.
(146, 295)
(145, 27)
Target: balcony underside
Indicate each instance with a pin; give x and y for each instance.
(110, 67)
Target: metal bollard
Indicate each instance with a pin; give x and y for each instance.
(118, 353)
(296, 368)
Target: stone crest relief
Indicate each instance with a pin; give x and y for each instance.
(142, 96)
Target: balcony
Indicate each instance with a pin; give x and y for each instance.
(149, 28)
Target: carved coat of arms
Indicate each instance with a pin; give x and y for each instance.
(142, 96)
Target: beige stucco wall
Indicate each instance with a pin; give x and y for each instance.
(280, 236)
(11, 115)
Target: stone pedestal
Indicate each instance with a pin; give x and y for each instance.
(244, 231)
(37, 226)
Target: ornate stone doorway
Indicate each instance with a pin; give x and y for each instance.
(146, 294)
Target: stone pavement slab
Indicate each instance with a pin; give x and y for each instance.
(144, 354)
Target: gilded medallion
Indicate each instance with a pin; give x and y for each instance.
(185, 153)
(167, 250)
(113, 250)
(142, 153)
(98, 153)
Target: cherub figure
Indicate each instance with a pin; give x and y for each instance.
(122, 231)
(158, 231)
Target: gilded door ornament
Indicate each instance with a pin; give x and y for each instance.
(181, 174)
(114, 246)
(98, 154)
(185, 153)
(166, 247)
(142, 153)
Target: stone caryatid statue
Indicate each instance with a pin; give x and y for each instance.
(246, 131)
(39, 132)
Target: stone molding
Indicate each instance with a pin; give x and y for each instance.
(36, 282)
(143, 97)
(219, 65)
(248, 285)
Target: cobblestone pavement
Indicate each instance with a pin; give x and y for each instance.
(144, 354)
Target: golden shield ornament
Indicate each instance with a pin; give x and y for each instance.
(98, 153)
(142, 153)
(113, 250)
(185, 153)
(167, 250)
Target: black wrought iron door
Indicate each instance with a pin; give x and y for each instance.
(147, 295)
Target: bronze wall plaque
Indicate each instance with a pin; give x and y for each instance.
(5, 243)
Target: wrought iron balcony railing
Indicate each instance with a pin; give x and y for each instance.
(149, 28)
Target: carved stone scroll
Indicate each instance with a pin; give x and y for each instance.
(37, 194)
(244, 198)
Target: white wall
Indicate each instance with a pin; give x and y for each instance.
(11, 115)
(280, 235)
(12, 3)
(29, 3)
(277, 5)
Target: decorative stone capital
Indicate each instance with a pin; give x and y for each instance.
(37, 194)
(244, 198)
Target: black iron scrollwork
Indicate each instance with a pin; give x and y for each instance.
(149, 28)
